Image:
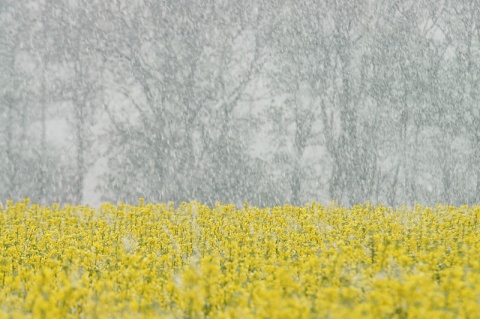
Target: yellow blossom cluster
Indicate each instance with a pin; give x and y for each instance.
(195, 261)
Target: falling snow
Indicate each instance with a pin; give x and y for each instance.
(235, 101)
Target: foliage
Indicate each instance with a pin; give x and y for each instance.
(195, 261)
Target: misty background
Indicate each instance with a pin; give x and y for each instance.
(261, 101)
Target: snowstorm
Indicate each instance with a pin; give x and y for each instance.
(265, 102)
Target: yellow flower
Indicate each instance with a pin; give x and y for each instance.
(153, 260)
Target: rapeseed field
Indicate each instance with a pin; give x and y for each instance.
(195, 261)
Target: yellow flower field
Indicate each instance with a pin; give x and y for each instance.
(192, 261)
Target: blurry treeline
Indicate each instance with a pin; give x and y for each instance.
(260, 101)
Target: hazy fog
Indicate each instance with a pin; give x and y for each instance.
(261, 101)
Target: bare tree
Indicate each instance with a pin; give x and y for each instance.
(460, 26)
(184, 91)
(76, 32)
